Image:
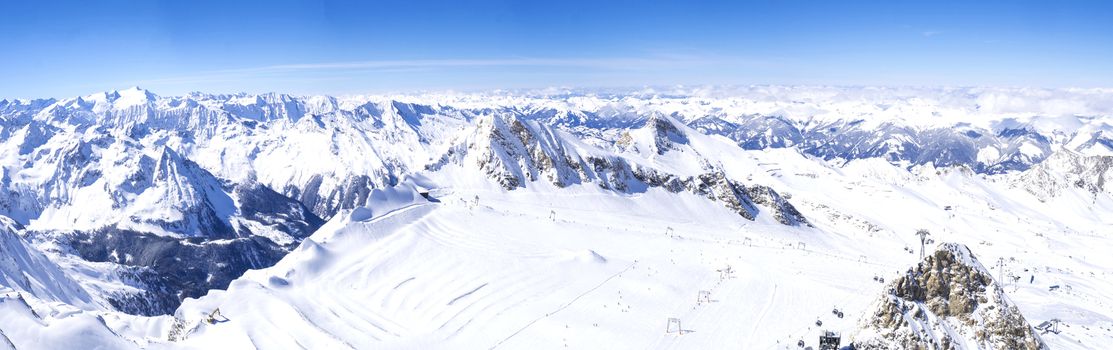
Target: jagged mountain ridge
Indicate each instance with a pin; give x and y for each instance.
(998, 145)
(114, 204)
(210, 152)
(291, 144)
(1066, 169)
(1007, 150)
(515, 152)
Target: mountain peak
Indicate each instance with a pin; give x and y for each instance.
(1065, 169)
(116, 99)
(665, 131)
(171, 163)
(948, 300)
(133, 95)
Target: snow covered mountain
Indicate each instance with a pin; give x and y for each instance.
(42, 307)
(96, 193)
(515, 152)
(519, 219)
(1066, 169)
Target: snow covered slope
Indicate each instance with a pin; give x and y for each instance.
(109, 199)
(24, 269)
(592, 268)
(578, 218)
(28, 323)
(40, 306)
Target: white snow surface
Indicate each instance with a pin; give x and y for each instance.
(544, 266)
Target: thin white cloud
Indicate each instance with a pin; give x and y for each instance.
(931, 33)
(663, 64)
(601, 63)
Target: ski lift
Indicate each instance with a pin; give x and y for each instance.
(726, 272)
(829, 340)
(704, 296)
(1049, 326)
(819, 323)
(672, 321)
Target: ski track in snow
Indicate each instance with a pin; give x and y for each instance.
(567, 265)
(565, 306)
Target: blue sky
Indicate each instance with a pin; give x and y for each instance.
(60, 49)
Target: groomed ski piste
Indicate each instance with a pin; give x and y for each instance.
(578, 267)
(480, 266)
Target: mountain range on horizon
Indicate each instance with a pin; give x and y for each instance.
(399, 220)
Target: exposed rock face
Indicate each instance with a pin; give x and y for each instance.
(514, 152)
(172, 229)
(1065, 169)
(345, 193)
(665, 134)
(782, 209)
(187, 189)
(166, 270)
(948, 301)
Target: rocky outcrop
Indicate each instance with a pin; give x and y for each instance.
(343, 193)
(665, 134)
(783, 211)
(947, 301)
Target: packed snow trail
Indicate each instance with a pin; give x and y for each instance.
(524, 280)
(562, 307)
(460, 275)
